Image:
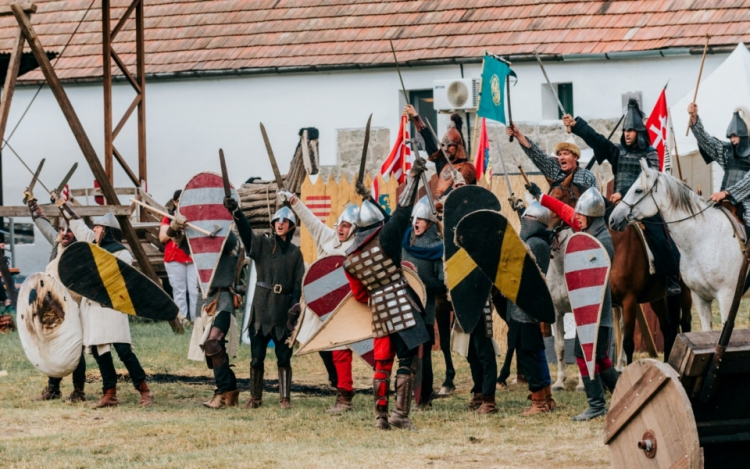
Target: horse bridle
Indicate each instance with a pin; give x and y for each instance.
(658, 211)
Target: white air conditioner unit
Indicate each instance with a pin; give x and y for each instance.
(452, 95)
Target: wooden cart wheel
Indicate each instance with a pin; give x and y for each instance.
(650, 423)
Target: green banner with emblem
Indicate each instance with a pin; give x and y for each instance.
(492, 94)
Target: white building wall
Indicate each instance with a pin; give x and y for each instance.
(188, 120)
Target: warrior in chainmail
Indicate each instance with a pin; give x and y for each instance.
(423, 247)
(625, 158)
(373, 267)
(59, 239)
(524, 332)
(588, 216)
(275, 309)
(556, 168)
(732, 156)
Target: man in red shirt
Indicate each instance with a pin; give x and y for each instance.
(182, 275)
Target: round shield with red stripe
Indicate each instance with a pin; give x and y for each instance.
(202, 203)
(586, 273)
(325, 285)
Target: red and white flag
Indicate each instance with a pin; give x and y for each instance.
(399, 161)
(657, 127)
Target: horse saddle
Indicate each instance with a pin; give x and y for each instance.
(734, 214)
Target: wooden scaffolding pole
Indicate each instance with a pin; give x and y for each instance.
(84, 143)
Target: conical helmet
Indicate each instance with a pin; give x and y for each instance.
(369, 214)
(349, 215)
(538, 212)
(284, 213)
(422, 210)
(108, 219)
(591, 203)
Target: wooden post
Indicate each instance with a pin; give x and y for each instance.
(10, 82)
(141, 77)
(85, 144)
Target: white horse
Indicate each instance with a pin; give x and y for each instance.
(710, 254)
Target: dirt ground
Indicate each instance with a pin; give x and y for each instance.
(178, 432)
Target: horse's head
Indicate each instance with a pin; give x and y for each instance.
(566, 192)
(639, 202)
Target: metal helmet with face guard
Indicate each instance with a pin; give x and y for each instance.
(284, 213)
(422, 211)
(591, 203)
(369, 215)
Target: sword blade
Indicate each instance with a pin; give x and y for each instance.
(274, 166)
(66, 179)
(549, 83)
(363, 161)
(224, 174)
(36, 176)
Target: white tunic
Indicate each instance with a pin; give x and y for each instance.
(327, 242)
(101, 326)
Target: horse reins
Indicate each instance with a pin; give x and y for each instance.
(651, 193)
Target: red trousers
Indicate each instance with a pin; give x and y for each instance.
(342, 360)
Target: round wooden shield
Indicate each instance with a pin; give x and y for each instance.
(49, 325)
(325, 285)
(650, 405)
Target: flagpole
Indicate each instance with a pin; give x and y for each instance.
(474, 138)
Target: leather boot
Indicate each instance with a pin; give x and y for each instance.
(595, 398)
(538, 403)
(551, 404)
(147, 397)
(232, 398)
(109, 399)
(381, 409)
(217, 401)
(609, 378)
(343, 402)
(475, 402)
(256, 388)
(488, 405)
(49, 393)
(77, 395)
(285, 387)
(400, 415)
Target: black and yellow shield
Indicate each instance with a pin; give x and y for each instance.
(96, 274)
(491, 242)
(469, 288)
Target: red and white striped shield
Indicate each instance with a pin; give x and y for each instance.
(324, 287)
(202, 203)
(586, 275)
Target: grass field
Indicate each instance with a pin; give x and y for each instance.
(178, 432)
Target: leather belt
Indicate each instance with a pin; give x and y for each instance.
(277, 288)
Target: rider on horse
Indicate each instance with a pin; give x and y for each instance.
(556, 168)
(732, 156)
(625, 157)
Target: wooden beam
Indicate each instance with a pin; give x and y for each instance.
(50, 211)
(140, 70)
(26, 7)
(83, 141)
(95, 191)
(125, 166)
(10, 82)
(125, 71)
(109, 166)
(123, 20)
(125, 118)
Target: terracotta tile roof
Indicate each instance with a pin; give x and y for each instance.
(190, 35)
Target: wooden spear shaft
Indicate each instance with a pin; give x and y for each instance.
(165, 214)
(700, 72)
